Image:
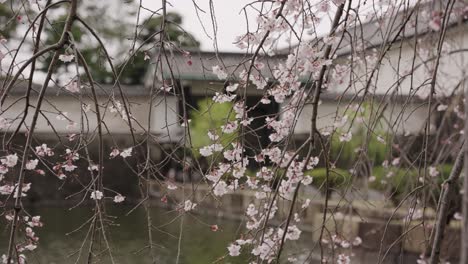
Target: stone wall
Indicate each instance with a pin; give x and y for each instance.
(383, 229)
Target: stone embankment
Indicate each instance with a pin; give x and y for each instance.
(369, 220)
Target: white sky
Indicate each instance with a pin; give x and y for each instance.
(231, 22)
(230, 19)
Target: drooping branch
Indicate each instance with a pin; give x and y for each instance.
(18, 189)
(31, 73)
(464, 237)
(313, 129)
(445, 200)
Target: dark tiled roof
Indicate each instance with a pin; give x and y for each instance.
(20, 88)
(139, 90)
(202, 62)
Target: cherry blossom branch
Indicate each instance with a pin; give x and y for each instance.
(445, 200)
(31, 73)
(40, 15)
(17, 206)
(313, 131)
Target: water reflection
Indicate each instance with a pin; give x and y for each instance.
(128, 238)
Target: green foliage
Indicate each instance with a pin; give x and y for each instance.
(135, 69)
(210, 116)
(337, 177)
(93, 55)
(346, 152)
(174, 31)
(402, 181)
(114, 30)
(7, 21)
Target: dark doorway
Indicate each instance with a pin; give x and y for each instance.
(256, 138)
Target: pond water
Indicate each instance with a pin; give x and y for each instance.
(129, 237)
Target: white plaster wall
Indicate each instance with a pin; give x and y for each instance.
(452, 71)
(398, 63)
(400, 118)
(163, 117)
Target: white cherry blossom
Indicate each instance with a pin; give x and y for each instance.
(66, 57)
(234, 250)
(119, 198)
(219, 72)
(189, 206)
(126, 153)
(10, 160)
(31, 164)
(96, 195)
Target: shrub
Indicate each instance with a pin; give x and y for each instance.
(402, 182)
(210, 116)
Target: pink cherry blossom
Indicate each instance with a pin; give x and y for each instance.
(72, 87)
(10, 160)
(69, 167)
(44, 151)
(213, 136)
(346, 137)
(114, 153)
(206, 151)
(229, 128)
(220, 188)
(223, 98)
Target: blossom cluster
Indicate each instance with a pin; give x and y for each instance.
(30, 238)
